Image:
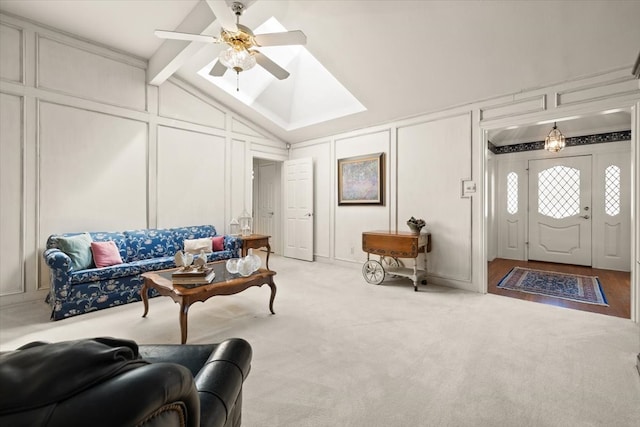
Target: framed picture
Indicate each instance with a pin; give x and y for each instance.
(361, 180)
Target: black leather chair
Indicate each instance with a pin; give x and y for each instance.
(112, 382)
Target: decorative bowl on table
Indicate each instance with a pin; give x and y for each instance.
(415, 225)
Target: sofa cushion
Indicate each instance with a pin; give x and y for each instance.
(78, 248)
(121, 270)
(150, 243)
(116, 237)
(195, 246)
(218, 243)
(193, 232)
(105, 254)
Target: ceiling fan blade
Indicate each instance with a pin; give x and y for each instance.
(279, 72)
(218, 69)
(223, 14)
(281, 39)
(174, 35)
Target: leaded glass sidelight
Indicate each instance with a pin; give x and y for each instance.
(612, 190)
(512, 193)
(559, 192)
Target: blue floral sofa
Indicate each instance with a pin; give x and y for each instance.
(77, 292)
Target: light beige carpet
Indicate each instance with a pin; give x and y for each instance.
(341, 352)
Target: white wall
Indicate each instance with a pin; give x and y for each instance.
(86, 145)
(427, 159)
(425, 163)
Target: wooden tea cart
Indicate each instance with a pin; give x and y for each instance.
(391, 246)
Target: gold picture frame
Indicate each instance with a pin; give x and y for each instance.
(361, 180)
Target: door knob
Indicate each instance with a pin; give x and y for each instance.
(585, 216)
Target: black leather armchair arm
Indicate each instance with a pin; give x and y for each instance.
(219, 371)
(153, 395)
(106, 382)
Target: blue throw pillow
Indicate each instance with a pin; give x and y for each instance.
(78, 248)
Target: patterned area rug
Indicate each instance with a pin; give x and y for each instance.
(573, 287)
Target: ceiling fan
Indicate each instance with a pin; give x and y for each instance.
(241, 54)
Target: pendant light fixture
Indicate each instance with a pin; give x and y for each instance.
(555, 141)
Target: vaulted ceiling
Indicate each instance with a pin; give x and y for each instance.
(398, 58)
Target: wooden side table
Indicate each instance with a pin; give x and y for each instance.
(256, 241)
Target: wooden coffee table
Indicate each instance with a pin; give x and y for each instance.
(224, 283)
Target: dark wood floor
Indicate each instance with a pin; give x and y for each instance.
(615, 284)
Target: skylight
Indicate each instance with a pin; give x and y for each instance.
(310, 95)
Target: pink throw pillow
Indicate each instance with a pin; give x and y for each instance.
(105, 254)
(218, 243)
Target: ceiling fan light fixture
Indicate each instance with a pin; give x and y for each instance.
(237, 60)
(555, 141)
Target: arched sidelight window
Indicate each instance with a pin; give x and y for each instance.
(512, 193)
(612, 190)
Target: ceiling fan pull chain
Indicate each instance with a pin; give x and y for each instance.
(237, 81)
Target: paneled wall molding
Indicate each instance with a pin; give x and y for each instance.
(86, 73)
(429, 118)
(72, 40)
(268, 152)
(203, 110)
(236, 124)
(12, 45)
(241, 128)
(622, 86)
(513, 108)
(66, 99)
(13, 170)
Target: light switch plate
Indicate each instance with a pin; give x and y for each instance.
(468, 188)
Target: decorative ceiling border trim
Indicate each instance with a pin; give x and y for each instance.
(599, 138)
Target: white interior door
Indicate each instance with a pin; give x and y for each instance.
(560, 210)
(298, 202)
(266, 199)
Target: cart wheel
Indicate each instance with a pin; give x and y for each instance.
(373, 272)
(392, 263)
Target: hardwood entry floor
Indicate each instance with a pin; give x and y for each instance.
(615, 284)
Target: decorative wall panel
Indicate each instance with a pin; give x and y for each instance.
(12, 47)
(517, 107)
(177, 103)
(624, 86)
(11, 194)
(351, 221)
(433, 158)
(190, 179)
(93, 172)
(74, 71)
(238, 161)
(241, 128)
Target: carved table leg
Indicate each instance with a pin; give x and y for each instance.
(184, 310)
(272, 285)
(268, 252)
(144, 293)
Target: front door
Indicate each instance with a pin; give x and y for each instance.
(560, 210)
